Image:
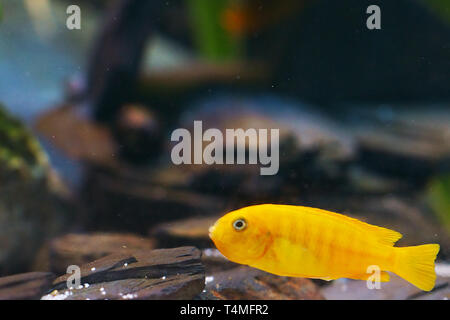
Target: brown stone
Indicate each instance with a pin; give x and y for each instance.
(253, 284)
(25, 286)
(77, 136)
(158, 274)
(215, 262)
(79, 249)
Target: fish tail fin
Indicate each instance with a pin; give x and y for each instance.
(416, 265)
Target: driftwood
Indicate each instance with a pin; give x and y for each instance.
(113, 77)
(117, 56)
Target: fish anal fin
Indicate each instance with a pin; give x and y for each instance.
(384, 276)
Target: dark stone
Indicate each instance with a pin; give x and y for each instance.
(139, 133)
(159, 274)
(408, 144)
(26, 286)
(314, 149)
(215, 262)
(245, 283)
(80, 249)
(133, 199)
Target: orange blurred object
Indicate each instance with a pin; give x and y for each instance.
(244, 18)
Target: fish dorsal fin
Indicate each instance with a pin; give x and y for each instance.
(383, 235)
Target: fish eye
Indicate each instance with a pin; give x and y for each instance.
(239, 224)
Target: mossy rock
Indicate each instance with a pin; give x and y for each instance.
(20, 152)
(30, 207)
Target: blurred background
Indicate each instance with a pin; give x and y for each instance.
(86, 117)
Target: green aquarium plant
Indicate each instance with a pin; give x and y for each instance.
(439, 198)
(440, 7)
(213, 41)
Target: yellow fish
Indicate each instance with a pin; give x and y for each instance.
(307, 242)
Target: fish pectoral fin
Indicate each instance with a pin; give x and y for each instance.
(326, 279)
(384, 277)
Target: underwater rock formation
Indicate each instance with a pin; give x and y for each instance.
(79, 249)
(25, 286)
(31, 206)
(251, 284)
(159, 274)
